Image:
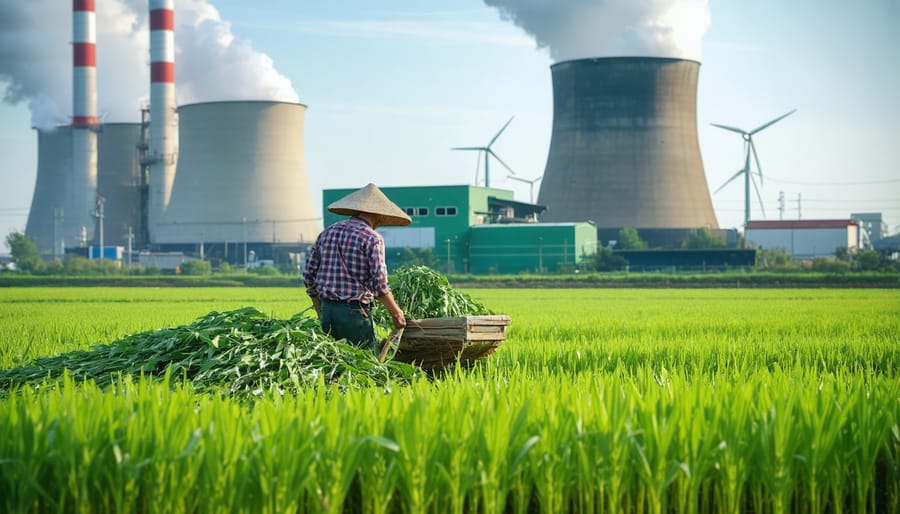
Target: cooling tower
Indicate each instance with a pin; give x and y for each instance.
(624, 150)
(119, 180)
(46, 218)
(241, 176)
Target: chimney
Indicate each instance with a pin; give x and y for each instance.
(163, 124)
(81, 182)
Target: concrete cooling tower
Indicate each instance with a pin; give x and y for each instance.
(46, 218)
(241, 176)
(119, 181)
(624, 150)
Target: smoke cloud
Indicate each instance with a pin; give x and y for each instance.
(576, 29)
(211, 63)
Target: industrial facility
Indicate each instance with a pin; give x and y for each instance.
(226, 181)
(223, 180)
(475, 229)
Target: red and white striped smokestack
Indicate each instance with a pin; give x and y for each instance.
(163, 125)
(81, 185)
(84, 61)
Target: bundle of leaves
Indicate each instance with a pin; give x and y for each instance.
(243, 353)
(422, 292)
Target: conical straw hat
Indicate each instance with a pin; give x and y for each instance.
(370, 199)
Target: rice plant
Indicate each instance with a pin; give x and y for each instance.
(626, 401)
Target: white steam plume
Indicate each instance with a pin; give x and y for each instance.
(576, 29)
(211, 63)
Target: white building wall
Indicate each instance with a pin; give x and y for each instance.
(804, 243)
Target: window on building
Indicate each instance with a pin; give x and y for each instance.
(416, 211)
(445, 211)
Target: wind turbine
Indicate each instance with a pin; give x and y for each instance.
(488, 153)
(530, 184)
(749, 148)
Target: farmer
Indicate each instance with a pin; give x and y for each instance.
(345, 270)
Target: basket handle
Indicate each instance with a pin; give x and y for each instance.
(392, 341)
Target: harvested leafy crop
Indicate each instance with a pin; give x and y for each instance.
(422, 292)
(242, 352)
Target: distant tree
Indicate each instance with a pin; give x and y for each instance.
(24, 252)
(630, 240)
(417, 257)
(267, 271)
(606, 260)
(774, 259)
(842, 253)
(225, 267)
(196, 268)
(76, 265)
(703, 238)
(869, 260)
(830, 265)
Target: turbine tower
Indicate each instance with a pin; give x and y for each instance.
(488, 152)
(530, 185)
(749, 148)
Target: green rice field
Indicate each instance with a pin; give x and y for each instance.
(600, 400)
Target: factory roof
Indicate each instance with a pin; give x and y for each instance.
(792, 224)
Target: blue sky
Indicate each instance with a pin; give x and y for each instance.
(392, 86)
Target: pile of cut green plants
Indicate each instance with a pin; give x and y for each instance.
(422, 292)
(241, 353)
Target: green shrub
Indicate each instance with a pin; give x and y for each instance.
(196, 268)
(266, 271)
(830, 265)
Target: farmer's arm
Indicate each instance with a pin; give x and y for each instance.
(390, 304)
(380, 285)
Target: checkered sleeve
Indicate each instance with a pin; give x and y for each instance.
(377, 267)
(313, 261)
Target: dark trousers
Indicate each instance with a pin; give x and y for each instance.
(349, 320)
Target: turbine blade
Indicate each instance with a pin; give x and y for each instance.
(758, 197)
(776, 120)
(756, 158)
(736, 175)
(500, 132)
(469, 148)
(726, 127)
(500, 160)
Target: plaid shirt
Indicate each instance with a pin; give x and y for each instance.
(347, 263)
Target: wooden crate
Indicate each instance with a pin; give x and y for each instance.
(434, 343)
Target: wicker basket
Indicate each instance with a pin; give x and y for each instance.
(434, 343)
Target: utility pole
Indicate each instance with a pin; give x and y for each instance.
(57, 217)
(799, 212)
(129, 238)
(540, 255)
(244, 228)
(98, 213)
(448, 256)
(781, 205)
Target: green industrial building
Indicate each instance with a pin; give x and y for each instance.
(533, 247)
(474, 229)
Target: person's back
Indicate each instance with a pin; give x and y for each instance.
(345, 268)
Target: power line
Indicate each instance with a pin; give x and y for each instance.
(853, 183)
